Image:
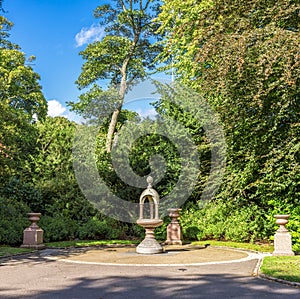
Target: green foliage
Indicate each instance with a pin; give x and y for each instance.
(21, 100)
(243, 58)
(13, 220)
(58, 228)
(226, 221)
(19, 84)
(17, 190)
(5, 27)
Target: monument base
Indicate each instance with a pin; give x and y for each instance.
(173, 234)
(283, 244)
(149, 246)
(33, 238)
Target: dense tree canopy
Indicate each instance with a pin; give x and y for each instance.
(243, 57)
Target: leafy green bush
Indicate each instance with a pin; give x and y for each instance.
(97, 229)
(13, 220)
(19, 190)
(225, 221)
(58, 228)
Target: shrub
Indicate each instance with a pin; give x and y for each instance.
(58, 228)
(227, 221)
(13, 221)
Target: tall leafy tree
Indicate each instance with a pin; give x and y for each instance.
(21, 102)
(124, 55)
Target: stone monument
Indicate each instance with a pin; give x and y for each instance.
(174, 235)
(282, 238)
(33, 235)
(149, 196)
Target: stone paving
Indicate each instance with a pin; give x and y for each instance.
(118, 272)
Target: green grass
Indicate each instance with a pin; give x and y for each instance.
(7, 250)
(282, 267)
(82, 243)
(247, 246)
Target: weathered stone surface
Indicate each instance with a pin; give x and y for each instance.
(174, 235)
(149, 246)
(282, 238)
(33, 235)
(283, 244)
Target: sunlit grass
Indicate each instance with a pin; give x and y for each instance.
(247, 246)
(82, 243)
(282, 267)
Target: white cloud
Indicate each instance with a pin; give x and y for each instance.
(151, 113)
(89, 34)
(72, 116)
(55, 108)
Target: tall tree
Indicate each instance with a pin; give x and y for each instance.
(124, 55)
(21, 102)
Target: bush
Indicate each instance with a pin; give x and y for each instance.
(22, 191)
(13, 221)
(98, 229)
(225, 221)
(58, 228)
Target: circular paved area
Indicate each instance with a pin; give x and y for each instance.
(95, 273)
(172, 255)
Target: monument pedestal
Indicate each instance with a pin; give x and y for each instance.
(282, 238)
(149, 245)
(33, 235)
(174, 235)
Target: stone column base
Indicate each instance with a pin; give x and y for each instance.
(33, 238)
(149, 246)
(283, 244)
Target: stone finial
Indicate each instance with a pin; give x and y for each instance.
(149, 181)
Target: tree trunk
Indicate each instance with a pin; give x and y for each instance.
(111, 129)
(114, 117)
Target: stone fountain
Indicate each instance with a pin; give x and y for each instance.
(149, 196)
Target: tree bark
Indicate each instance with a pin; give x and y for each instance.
(114, 117)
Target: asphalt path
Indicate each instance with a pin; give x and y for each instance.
(36, 276)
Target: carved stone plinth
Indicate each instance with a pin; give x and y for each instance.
(174, 235)
(282, 238)
(33, 235)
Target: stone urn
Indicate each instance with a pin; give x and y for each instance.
(174, 235)
(149, 196)
(282, 238)
(33, 235)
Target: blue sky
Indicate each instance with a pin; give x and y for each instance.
(55, 31)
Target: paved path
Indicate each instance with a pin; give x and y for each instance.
(37, 276)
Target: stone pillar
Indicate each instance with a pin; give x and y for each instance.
(33, 235)
(282, 238)
(174, 235)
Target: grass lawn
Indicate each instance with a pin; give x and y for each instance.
(7, 251)
(82, 243)
(282, 267)
(247, 246)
